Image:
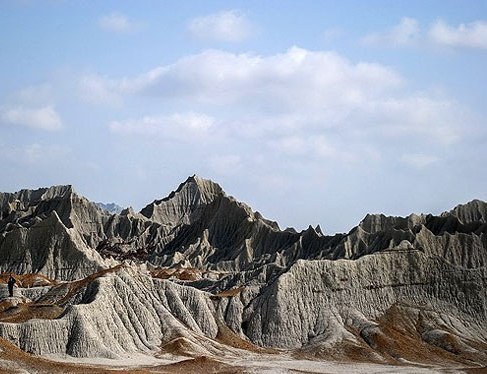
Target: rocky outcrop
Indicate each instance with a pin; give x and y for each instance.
(388, 284)
(50, 231)
(118, 312)
(305, 302)
(199, 226)
(474, 211)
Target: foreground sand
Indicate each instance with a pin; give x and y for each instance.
(14, 360)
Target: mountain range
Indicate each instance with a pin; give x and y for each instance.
(198, 273)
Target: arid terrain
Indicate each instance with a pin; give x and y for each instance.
(198, 281)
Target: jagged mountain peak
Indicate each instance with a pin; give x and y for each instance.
(204, 264)
(206, 187)
(473, 211)
(372, 223)
(33, 196)
(377, 222)
(35, 202)
(190, 194)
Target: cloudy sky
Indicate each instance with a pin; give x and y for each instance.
(312, 112)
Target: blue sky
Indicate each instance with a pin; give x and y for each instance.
(312, 112)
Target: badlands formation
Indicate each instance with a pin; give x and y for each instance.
(199, 281)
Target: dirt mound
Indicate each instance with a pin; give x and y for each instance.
(28, 280)
(49, 306)
(24, 312)
(181, 347)
(13, 359)
(227, 337)
(201, 364)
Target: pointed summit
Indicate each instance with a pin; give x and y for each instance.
(182, 203)
(473, 211)
(207, 188)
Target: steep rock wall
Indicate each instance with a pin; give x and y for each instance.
(116, 314)
(304, 302)
(198, 225)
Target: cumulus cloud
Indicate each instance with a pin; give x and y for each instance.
(177, 126)
(225, 26)
(406, 32)
(439, 119)
(312, 107)
(295, 78)
(301, 88)
(99, 90)
(471, 35)
(117, 22)
(44, 118)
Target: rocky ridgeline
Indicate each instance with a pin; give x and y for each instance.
(393, 288)
(199, 226)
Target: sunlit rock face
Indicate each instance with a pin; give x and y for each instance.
(51, 231)
(198, 265)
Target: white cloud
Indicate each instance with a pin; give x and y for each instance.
(45, 118)
(226, 26)
(117, 22)
(322, 147)
(177, 126)
(438, 119)
(471, 35)
(292, 79)
(310, 106)
(99, 90)
(36, 95)
(45, 154)
(407, 32)
(419, 160)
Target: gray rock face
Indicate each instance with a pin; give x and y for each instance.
(198, 225)
(50, 231)
(388, 284)
(313, 295)
(116, 314)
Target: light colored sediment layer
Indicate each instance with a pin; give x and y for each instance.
(222, 280)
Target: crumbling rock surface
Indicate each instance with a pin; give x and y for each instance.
(199, 226)
(202, 265)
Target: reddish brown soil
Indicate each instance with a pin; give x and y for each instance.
(397, 339)
(28, 280)
(230, 293)
(201, 364)
(189, 274)
(228, 337)
(180, 347)
(31, 363)
(177, 273)
(395, 324)
(59, 295)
